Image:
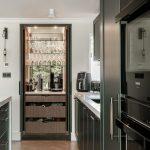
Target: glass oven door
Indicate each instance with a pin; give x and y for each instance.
(136, 136)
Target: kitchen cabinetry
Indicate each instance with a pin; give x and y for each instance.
(110, 56)
(87, 127)
(45, 114)
(45, 81)
(124, 3)
(45, 60)
(5, 123)
(4, 127)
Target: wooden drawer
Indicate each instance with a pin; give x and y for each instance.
(53, 98)
(57, 98)
(50, 111)
(49, 127)
(34, 98)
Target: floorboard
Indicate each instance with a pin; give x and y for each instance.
(44, 145)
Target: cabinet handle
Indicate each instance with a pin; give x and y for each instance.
(4, 119)
(111, 118)
(92, 118)
(84, 108)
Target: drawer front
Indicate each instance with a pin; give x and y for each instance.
(34, 98)
(51, 111)
(50, 127)
(59, 98)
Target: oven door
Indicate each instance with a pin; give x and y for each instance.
(136, 136)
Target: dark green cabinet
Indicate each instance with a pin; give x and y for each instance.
(4, 127)
(87, 127)
(124, 3)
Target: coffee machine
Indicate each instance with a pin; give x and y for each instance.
(83, 82)
(56, 82)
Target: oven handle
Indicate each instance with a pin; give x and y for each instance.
(128, 129)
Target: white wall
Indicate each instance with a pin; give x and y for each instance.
(94, 65)
(80, 60)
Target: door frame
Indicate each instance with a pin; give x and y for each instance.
(68, 75)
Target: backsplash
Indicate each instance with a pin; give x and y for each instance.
(94, 65)
(95, 70)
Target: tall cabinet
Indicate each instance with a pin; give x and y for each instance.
(110, 74)
(45, 81)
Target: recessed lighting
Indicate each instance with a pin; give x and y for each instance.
(55, 27)
(35, 27)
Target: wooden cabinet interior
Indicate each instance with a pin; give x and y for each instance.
(45, 58)
(45, 114)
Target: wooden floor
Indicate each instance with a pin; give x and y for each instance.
(44, 145)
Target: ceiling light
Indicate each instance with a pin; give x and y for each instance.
(51, 13)
(35, 27)
(55, 27)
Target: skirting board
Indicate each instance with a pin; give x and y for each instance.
(16, 136)
(73, 137)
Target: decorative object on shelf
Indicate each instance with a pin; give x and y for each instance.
(5, 36)
(46, 56)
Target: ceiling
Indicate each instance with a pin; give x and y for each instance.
(40, 8)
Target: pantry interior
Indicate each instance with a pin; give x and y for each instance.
(45, 81)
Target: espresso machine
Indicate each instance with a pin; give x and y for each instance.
(56, 81)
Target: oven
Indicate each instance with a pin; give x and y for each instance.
(134, 120)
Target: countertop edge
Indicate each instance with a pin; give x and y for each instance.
(88, 103)
(4, 100)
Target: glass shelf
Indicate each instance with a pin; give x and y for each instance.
(32, 40)
(47, 53)
(44, 65)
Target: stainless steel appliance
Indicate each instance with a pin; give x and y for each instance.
(56, 82)
(134, 121)
(95, 86)
(83, 82)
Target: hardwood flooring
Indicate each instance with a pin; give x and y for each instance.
(45, 145)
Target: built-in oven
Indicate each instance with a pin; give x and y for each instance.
(135, 136)
(134, 120)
